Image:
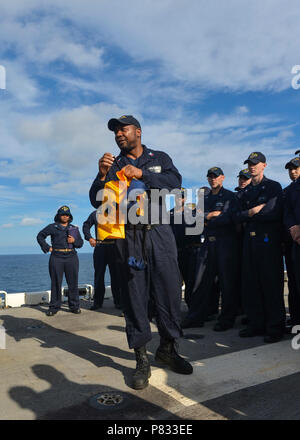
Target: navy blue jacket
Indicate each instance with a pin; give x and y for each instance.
(239, 192)
(224, 201)
(292, 204)
(270, 217)
(86, 227)
(158, 173)
(59, 236)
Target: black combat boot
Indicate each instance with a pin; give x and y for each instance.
(143, 371)
(167, 354)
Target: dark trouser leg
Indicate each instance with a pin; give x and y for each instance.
(272, 281)
(294, 292)
(214, 298)
(183, 264)
(239, 272)
(204, 280)
(195, 259)
(135, 290)
(252, 297)
(114, 275)
(56, 271)
(99, 259)
(296, 267)
(228, 278)
(165, 281)
(189, 277)
(71, 272)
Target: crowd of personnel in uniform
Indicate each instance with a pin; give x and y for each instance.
(238, 256)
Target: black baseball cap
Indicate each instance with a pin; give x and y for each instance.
(64, 210)
(297, 152)
(293, 162)
(124, 120)
(216, 171)
(256, 157)
(245, 173)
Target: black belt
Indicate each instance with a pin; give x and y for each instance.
(139, 227)
(191, 246)
(99, 242)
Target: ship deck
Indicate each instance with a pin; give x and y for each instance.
(78, 367)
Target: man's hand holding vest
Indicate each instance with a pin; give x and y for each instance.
(130, 171)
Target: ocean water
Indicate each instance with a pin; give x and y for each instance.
(29, 273)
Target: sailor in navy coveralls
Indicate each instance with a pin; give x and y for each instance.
(65, 238)
(218, 257)
(148, 255)
(261, 211)
(244, 178)
(292, 240)
(104, 254)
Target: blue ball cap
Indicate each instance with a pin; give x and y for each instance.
(256, 157)
(293, 163)
(216, 171)
(64, 210)
(245, 173)
(123, 120)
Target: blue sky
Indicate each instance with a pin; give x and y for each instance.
(209, 81)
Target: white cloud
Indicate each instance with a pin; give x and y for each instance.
(225, 141)
(237, 44)
(48, 39)
(240, 45)
(30, 221)
(7, 225)
(207, 46)
(20, 87)
(63, 147)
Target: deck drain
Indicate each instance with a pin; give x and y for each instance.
(108, 400)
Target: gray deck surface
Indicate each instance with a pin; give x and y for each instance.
(56, 367)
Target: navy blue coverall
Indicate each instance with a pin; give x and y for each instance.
(186, 247)
(240, 238)
(61, 262)
(292, 249)
(217, 257)
(161, 279)
(104, 254)
(262, 271)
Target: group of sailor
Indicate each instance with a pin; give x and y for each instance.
(238, 256)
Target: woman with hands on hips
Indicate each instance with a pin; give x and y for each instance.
(65, 238)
